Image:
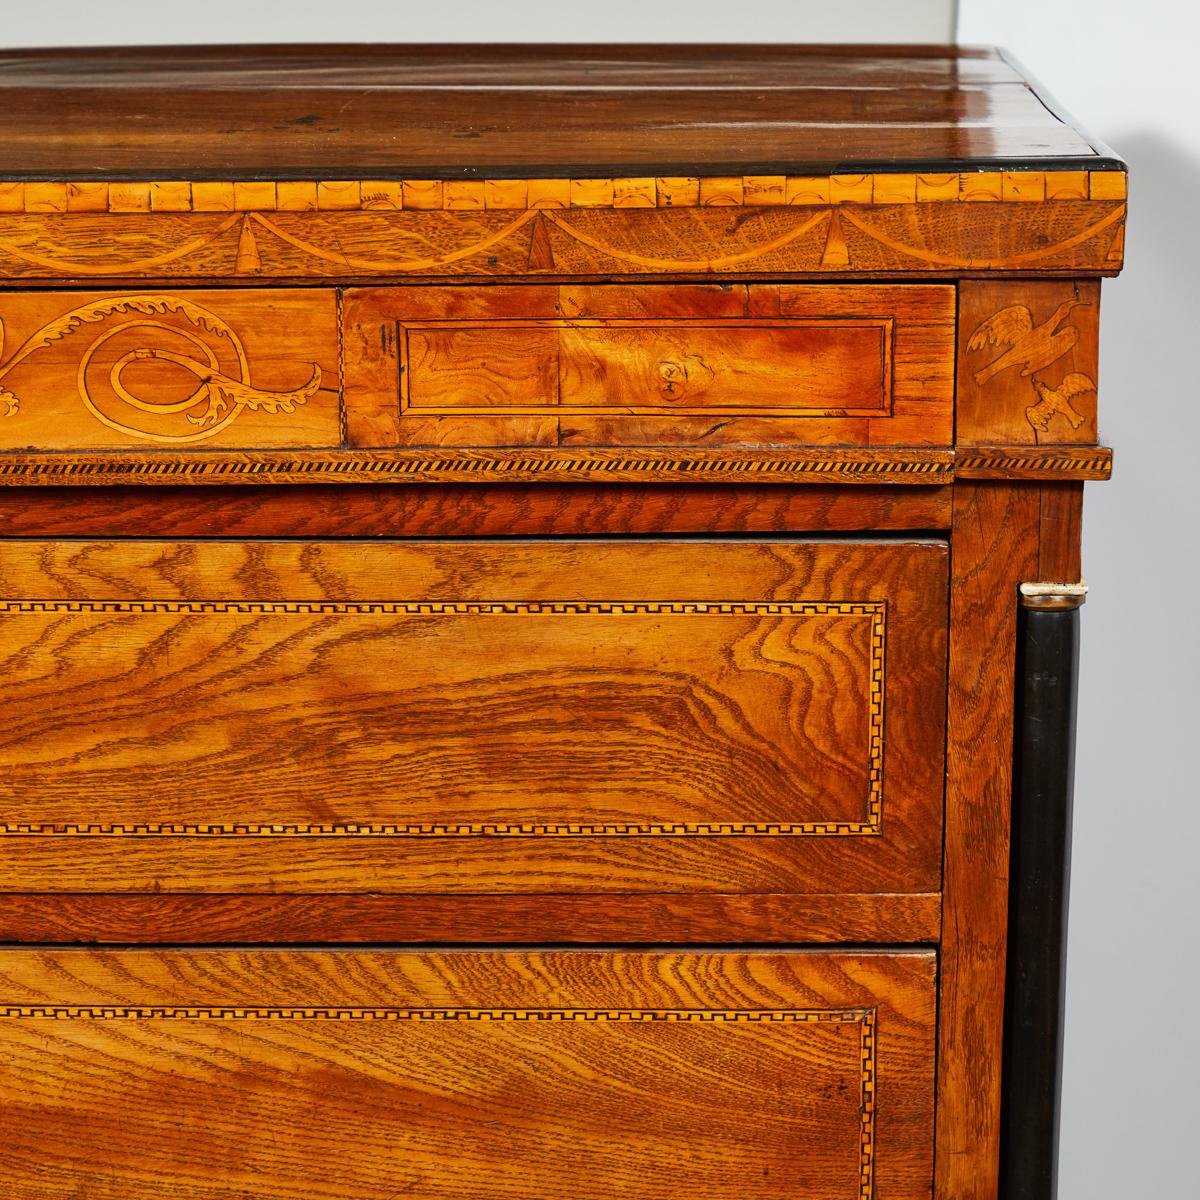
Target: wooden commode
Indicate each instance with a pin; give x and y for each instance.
(538, 619)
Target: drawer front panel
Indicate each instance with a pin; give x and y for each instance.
(503, 700)
(705, 365)
(560, 1076)
(160, 370)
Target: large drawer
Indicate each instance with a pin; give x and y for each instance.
(515, 716)
(466, 1076)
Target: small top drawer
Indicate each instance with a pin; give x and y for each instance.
(709, 365)
(328, 378)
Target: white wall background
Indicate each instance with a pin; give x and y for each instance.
(155, 22)
(1129, 71)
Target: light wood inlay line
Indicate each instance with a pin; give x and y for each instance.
(467, 195)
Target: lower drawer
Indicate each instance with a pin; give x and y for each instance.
(466, 1075)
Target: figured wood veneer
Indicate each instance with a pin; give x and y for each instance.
(698, 366)
(685, 366)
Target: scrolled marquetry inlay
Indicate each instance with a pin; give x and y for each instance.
(172, 334)
(874, 611)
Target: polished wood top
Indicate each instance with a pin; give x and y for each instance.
(457, 112)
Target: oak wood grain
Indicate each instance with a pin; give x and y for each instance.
(455, 510)
(1060, 533)
(857, 918)
(464, 698)
(580, 1076)
(453, 866)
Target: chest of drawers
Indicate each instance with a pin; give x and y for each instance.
(538, 603)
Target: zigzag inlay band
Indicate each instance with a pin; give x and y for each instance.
(1086, 460)
(354, 466)
(875, 610)
(349, 467)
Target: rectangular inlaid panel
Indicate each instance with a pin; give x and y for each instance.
(169, 370)
(689, 367)
(466, 1076)
(478, 715)
(755, 365)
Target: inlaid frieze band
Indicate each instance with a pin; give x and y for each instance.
(810, 236)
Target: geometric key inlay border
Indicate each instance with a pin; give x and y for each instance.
(872, 824)
(865, 1018)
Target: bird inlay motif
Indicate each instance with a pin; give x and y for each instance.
(1032, 348)
(1057, 401)
(1029, 346)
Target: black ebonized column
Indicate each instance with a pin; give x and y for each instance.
(1039, 879)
